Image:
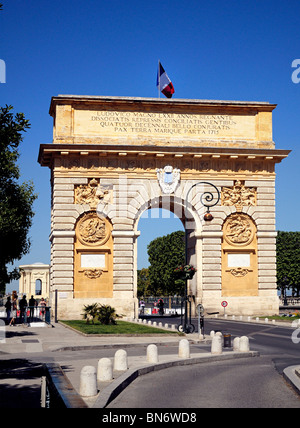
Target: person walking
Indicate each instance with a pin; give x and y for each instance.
(13, 312)
(8, 309)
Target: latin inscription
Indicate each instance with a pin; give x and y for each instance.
(186, 125)
(163, 123)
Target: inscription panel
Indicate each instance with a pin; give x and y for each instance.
(180, 125)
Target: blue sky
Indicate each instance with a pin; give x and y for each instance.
(230, 50)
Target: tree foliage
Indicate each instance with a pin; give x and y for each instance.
(288, 261)
(165, 254)
(143, 283)
(16, 199)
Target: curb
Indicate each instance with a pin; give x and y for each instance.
(112, 346)
(289, 374)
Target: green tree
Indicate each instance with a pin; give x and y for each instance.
(143, 283)
(165, 254)
(288, 261)
(16, 199)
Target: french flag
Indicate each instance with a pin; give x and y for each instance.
(163, 82)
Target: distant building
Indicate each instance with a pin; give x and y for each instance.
(34, 280)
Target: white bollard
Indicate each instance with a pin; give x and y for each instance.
(236, 344)
(88, 382)
(166, 325)
(120, 360)
(257, 319)
(212, 333)
(154, 323)
(216, 345)
(160, 324)
(104, 370)
(149, 322)
(144, 321)
(152, 354)
(184, 349)
(266, 320)
(244, 344)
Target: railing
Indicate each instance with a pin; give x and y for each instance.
(31, 314)
(290, 301)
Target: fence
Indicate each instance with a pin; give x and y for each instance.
(172, 305)
(290, 301)
(32, 314)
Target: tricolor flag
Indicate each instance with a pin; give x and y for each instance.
(163, 82)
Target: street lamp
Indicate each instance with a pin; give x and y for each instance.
(208, 200)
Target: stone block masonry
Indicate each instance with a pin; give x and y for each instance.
(103, 180)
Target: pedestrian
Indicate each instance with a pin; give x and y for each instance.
(161, 306)
(142, 306)
(43, 306)
(32, 305)
(8, 309)
(23, 306)
(13, 312)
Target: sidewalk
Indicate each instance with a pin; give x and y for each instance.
(21, 339)
(26, 341)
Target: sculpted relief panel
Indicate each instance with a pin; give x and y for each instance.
(238, 195)
(90, 194)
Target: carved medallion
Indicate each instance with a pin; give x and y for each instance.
(239, 229)
(239, 195)
(90, 194)
(168, 178)
(92, 230)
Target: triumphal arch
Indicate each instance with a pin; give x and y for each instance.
(112, 158)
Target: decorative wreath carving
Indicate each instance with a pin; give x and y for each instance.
(93, 273)
(239, 272)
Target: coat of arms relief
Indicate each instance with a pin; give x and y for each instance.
(168, 178)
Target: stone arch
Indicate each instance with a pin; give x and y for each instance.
(192, 223)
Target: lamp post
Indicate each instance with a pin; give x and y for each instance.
(208, 200)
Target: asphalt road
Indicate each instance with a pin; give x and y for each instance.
(252, 383)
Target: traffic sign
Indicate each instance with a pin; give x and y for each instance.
(224, 303)
(200, 309)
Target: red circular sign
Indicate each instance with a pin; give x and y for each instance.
(224, 304)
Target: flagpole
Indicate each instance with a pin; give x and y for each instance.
(158, 73)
